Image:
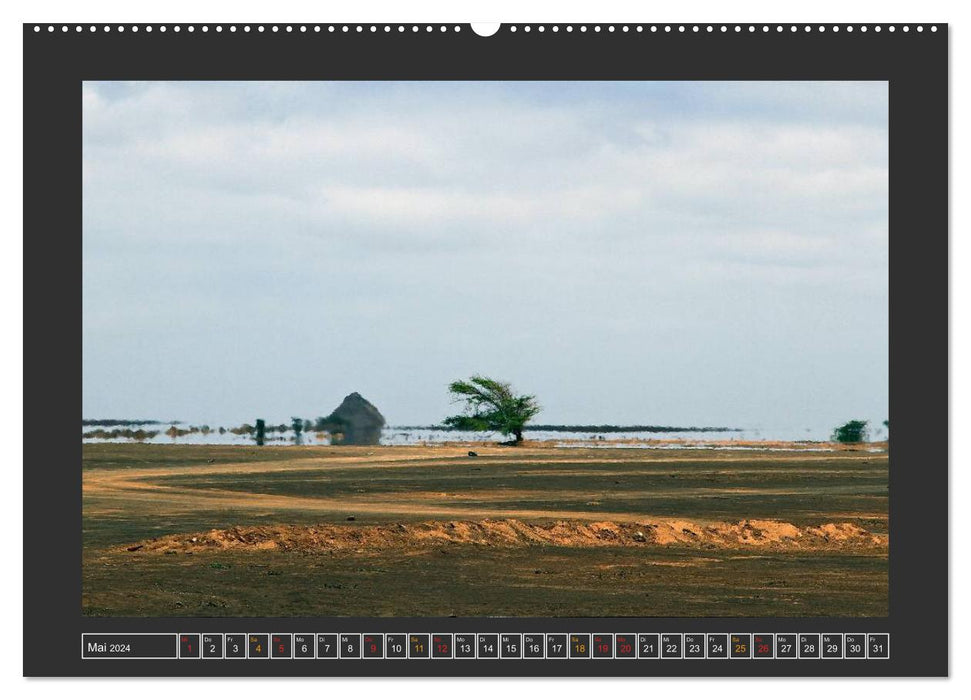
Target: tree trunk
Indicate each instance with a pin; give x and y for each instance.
(519, 435)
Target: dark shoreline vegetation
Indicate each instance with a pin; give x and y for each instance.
(120, 433)
(589, 428)
(125, 421)
(172, 432)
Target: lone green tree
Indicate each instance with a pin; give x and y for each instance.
(851, 431)
(491, 405)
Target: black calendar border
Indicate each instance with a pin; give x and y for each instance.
(916, 66)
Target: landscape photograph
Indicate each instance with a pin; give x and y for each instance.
(485, 349)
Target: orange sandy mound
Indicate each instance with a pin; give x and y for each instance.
(762, 534)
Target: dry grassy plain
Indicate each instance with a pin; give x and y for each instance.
(531, 531)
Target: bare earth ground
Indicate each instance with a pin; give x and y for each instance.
(538, 530)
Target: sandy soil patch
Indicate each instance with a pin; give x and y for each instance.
(759, 534)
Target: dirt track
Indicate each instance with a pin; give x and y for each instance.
(105, 489)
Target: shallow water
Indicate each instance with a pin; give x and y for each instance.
(424, 436)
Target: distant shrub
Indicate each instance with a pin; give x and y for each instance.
(852, 431)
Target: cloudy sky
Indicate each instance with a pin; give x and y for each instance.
(636, 252)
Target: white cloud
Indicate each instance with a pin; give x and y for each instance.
(240, 211)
